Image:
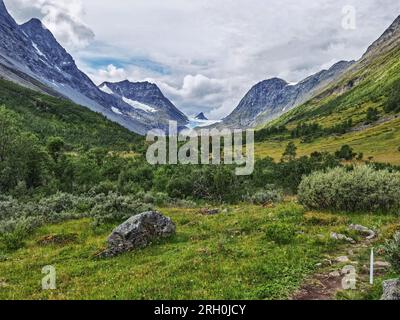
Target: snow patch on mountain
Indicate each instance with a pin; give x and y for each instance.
(38, 50)
(138, 105)
(115, 110)
(106, 89)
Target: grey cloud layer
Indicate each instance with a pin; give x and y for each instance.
(215, 50)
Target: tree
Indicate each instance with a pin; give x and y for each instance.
(345, 153)
(290, 152)
(8, 132)
(372, 115)
(55, 147)
(393, 101)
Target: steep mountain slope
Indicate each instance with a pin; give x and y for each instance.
(29, 54)
(145, 96)
(46, 116)
(365, 85)
(270, 98)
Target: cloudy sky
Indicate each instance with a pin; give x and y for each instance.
(206, 54)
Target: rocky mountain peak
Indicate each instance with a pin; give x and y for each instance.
(201, 116)
(390, 38)
(34, 23)
(270, 98)
(145, 93)
(6, 18)
(2, 8)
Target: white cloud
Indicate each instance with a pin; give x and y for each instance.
(214, 51)
(111, 74)
(63, 18)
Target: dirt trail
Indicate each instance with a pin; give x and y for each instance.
(325, 284)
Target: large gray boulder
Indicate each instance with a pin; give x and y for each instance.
(391, 290)
(138, 232)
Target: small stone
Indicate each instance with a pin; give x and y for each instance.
(343, 259)
(209, 212)
(327, 262)
(3, 284)
(382, 265)
(391, 290)
(342, 237)
(319, 265)
(334, 274)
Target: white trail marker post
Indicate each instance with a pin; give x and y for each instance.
(371, 269)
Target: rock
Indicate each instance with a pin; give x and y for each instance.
(342, 259)
(327, 262)
(363, 230)
(334, 274)
(3, 284)
(209, 212)
(138, 232)
(379, 265)
(338, 236)
(391, 290)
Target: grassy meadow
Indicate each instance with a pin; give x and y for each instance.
(245, 252)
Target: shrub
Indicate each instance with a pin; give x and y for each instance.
(392, 251)
(265, 197)
(372, 115)
(345, 153)
(14, 240)
(361, 189)
(280, 233)
(393, 101)
(116, 208)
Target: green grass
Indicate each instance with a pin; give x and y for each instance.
(381, 142)
(232, 255)
(374, 79)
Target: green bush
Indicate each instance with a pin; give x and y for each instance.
(265, 197)
(280, 233)
(18, 219)
(345, 153)
(14, 240)
(116, 208)
(393, 101)
(360, 189)
(392, 251)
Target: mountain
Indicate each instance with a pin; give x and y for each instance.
(388, 40)
(323, 123)
(31, 56)
(270, 98)
(46, 116)
(366, 84)
(201, 116)
(145, 96)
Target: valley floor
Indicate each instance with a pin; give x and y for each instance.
(380, 141)
(245, 252)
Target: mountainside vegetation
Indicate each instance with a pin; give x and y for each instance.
(360, 110)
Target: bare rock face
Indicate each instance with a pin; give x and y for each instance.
(138, 232)
(391, 290)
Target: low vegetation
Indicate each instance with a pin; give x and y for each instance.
(359, 189)
(245, 252)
